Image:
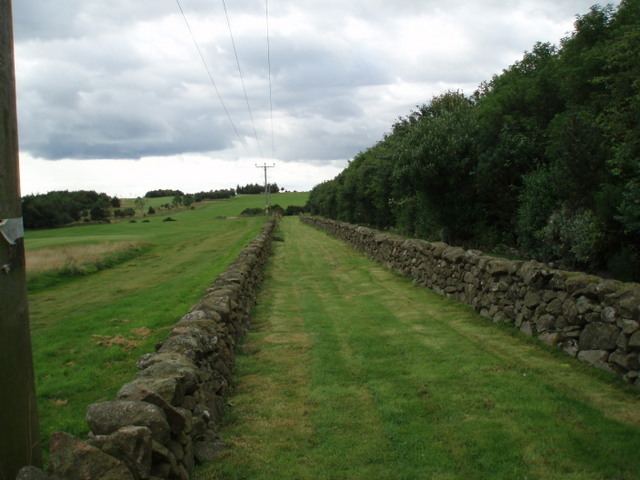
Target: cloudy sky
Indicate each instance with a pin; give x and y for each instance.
(113, 96)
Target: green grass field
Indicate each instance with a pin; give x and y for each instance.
(352, 372)
(89, 330)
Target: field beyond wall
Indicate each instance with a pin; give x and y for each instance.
(103, 295)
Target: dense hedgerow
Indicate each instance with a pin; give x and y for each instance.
(544, 157)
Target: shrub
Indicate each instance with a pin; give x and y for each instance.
(252, 212)
(572, 236)
(294, 210)
(163, 193)
(99, 213)
(277, 210)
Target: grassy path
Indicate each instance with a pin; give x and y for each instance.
(352, 372)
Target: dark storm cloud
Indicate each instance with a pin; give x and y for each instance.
(121, 79)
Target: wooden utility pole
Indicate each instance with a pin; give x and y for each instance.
(19, 441)
(267, 193)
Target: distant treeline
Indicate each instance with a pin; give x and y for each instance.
(188, 199)
(59, 208)
(251, 188)
(163, 193)
(214, 195)
(276, 209)
(544, 158)
(254, 188)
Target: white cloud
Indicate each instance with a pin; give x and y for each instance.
(100, 81)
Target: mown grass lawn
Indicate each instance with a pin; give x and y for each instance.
(89, 330)
(351, 372)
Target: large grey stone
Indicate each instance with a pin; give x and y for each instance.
(168, 388)
(176, 418)
(107, 417)
(208, 450)
(555, 307)
(544, 323)
(32, 473)
(532, 299)
(131, 445)
(608, 314)
(626, 360)
(72, 459)
(634, 341)
(570, 311)
(629, 304)
(584, 305)
(629, 326)
(550, 338)
(526, 328)
(533, 274)
(454, 254)
(162, 455)
(623, 341)
(599, 336)
(597, 358)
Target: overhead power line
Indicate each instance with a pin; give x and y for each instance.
(244, 88)
(273, 149)
(208, 70)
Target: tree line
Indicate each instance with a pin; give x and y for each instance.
(255, 188)
(59, 208)
(163, 192)
(543, 158)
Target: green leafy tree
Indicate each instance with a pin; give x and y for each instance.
(543, 157)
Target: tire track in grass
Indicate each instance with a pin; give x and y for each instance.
(271, 403)
(351, 442)
(397, 374)
(547, 384)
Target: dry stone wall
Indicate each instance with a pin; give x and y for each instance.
(165, 420)
(591, 318)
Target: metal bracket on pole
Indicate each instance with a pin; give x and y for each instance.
(12, 229)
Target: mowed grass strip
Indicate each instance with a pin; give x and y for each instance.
(352, 372)
(88, 331)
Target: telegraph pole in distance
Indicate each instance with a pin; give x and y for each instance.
(267, 193)
(19, 439)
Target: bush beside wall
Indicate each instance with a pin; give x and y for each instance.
(591, 318)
